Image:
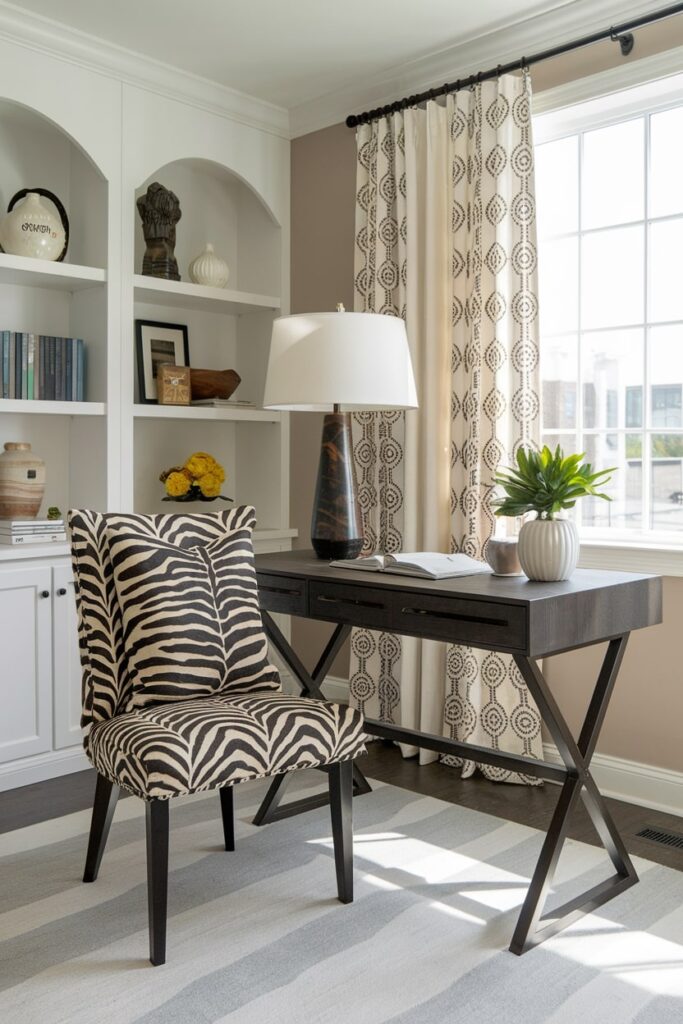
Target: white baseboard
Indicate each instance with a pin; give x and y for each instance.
(40, 767)
(643, 784)
(337, 689)
(646, 785)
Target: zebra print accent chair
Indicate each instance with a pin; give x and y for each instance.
(178, 693)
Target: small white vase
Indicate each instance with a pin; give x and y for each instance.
(209, 269)
(548, 549)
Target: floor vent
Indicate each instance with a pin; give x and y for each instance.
(657, 835)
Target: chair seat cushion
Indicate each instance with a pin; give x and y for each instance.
(195, 745)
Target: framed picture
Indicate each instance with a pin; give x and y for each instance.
(158, 343)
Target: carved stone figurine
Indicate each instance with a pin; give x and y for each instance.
(159, 209)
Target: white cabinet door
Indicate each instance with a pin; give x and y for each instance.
(67, 665)
(25, 662)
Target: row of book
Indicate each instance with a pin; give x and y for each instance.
(38, 366)
(32, 531)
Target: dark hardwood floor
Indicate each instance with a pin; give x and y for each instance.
(526, 805)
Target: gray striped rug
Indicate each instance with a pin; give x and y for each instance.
(257, 936)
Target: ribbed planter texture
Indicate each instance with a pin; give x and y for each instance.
(548, 549)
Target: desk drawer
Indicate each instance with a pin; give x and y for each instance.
(431, 616)
(479, 623)
(357, 606)
(285, 594)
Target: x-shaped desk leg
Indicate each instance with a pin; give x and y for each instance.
(270, 809)
(533, 928)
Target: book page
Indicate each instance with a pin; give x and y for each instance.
(372, 563)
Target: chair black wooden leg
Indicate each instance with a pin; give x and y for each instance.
(106, 795)
(157, 878)
(228, 815)
(341, 806)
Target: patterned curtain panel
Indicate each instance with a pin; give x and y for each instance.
(446, 239)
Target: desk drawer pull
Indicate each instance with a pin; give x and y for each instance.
(355, 601)
(454, 616)
(279, 590)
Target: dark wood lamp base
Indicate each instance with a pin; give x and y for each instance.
(336, 526)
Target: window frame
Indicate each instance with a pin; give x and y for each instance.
(634, 90)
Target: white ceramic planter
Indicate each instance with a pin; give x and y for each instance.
(548, 549)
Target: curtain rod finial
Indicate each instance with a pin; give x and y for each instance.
(626, 41)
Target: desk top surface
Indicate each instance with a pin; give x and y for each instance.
(506, 589)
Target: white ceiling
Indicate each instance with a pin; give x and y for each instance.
(308, 63)
(287, 52)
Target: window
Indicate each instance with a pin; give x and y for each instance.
(610, 219)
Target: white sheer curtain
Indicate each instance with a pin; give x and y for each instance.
(445, 238)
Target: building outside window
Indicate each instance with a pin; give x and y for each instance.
(610, 217)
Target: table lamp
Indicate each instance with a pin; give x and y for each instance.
(319, 362)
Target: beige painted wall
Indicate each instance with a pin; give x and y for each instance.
(323, 213)
(644, 720)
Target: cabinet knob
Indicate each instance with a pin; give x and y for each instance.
(45, 593)
(62, 591)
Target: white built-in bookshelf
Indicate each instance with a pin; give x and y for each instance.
(97, 142)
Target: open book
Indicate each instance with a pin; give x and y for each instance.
(431, 565)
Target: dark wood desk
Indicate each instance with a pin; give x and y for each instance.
(528, 621)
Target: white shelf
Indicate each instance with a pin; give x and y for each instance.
(31, 273)
(9, 553)
(38, 407)
(160, 292)
(275, 534)
(206, 412)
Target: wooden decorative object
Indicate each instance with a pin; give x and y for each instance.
(173, 385)
(159, 209)
(213, 383)
(336, 526)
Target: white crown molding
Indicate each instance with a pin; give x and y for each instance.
(628, 75)
(51, 37)
(574, 18)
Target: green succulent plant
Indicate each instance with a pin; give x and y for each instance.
(547, 483)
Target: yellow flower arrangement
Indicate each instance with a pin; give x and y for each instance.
(198, 479)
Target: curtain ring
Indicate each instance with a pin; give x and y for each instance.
(524, 66)
(498, 70)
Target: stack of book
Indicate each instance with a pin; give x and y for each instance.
(32, 531)
(37, 366)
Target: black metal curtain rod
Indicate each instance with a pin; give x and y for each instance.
(623, 34)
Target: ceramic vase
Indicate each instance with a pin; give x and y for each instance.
(22, 481)
(32, 229)
(209, 269)
(502, 555)
(548, 549)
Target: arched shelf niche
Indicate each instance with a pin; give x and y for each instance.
(219, 207)
(36, 153)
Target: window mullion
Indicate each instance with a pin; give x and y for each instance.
(578, 433)
(646, 462)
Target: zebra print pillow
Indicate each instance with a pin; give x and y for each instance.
(191, 620)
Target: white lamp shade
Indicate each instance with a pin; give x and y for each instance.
(358, 360)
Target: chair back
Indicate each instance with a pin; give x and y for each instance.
(107, 686)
